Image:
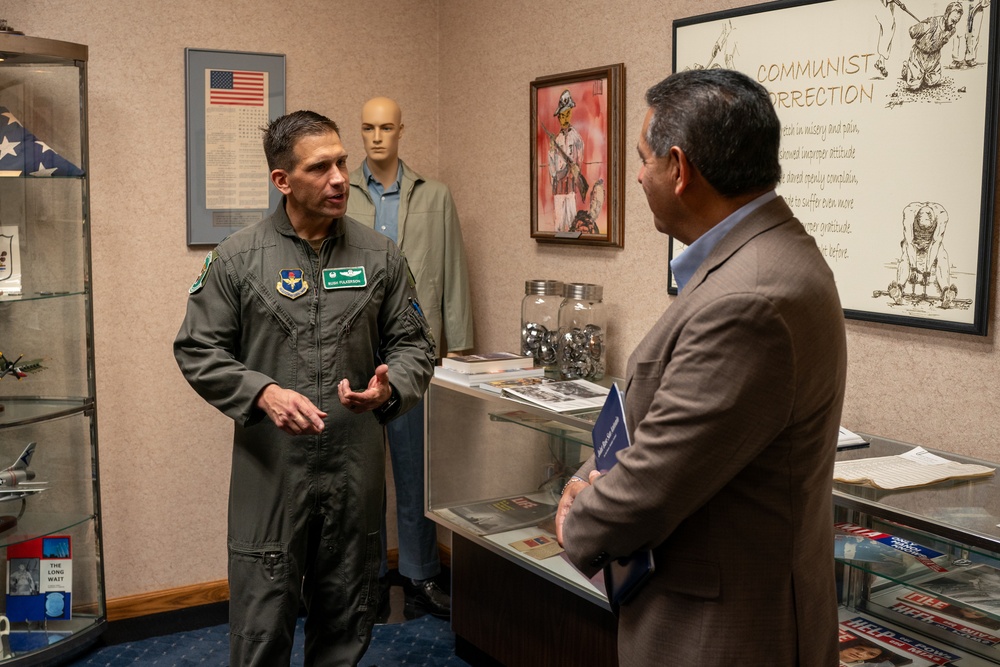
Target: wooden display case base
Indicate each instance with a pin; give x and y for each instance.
(505, 616)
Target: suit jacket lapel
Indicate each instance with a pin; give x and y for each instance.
(768, 216)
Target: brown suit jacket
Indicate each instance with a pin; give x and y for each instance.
(733, 400)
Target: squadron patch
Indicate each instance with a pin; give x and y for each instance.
(292, 284)
(345, 277)
(200, 282)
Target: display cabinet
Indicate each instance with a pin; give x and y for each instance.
(922, 563)
(495, 468)
(918, 569)
(50, 535)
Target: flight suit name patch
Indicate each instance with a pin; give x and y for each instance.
(344, 277)
(291, 283)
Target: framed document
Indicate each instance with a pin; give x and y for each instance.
(889, 142)
(231, 97)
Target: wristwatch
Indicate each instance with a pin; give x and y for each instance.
(388, 410)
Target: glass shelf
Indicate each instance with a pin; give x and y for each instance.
(31, 526)
(546, 424)
(23, 411)
(55, 294)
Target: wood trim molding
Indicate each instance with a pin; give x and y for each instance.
(209, 592)
(171, 599)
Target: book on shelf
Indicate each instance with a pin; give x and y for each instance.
(497, 386)
(562, 396)
(40, 579)
(477, 379)
(917, 467)
(488, 361)
(622, 576)
(502, 514)
(863, 641)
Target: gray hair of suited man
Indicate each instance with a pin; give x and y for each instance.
(724, 122)
(281, 135)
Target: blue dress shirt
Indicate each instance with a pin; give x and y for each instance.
(386, 202)
(685, 264)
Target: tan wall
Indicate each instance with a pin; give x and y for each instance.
(461, 70)
(164, 452)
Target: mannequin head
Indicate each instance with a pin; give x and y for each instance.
(381, 130)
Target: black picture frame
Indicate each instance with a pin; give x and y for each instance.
(889, 161)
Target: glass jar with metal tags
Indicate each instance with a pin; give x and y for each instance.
(540, 321)
(582, 324)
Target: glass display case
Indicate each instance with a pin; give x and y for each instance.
(50, 537)
(501, 485)
(921, 566)
(495, 469)
(918, 568)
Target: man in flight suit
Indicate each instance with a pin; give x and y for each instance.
(286, 317)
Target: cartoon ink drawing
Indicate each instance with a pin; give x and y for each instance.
(923, 67)
(924, 261)
(885, 16)
(965, 46)
(723, 46)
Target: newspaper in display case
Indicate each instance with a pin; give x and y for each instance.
(976, 587)
(500, 515)
(865, 642)
(971, 624)
(564, 396)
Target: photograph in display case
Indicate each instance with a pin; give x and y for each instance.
(888, 147)
(577, 137)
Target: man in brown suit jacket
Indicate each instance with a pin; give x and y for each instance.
(733, 400)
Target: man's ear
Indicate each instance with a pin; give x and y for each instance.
(681, 169)
(401, 126)
(280, 179)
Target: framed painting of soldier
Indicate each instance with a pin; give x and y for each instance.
(577, 135)
(889, 142)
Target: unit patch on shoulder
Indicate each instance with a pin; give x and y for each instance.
(200, 282)
(292, 284)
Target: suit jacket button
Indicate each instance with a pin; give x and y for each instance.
(601, 559)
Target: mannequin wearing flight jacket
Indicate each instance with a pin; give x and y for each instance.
(420, 215)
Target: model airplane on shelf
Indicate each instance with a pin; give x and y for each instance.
(8, 367)
(15, 481)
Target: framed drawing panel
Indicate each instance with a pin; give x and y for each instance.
(231, 97)
(889, 138)
(577, 176)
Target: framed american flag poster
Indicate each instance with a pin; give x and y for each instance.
(230, 96)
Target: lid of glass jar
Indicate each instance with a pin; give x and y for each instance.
(584, 291)
(543, 287)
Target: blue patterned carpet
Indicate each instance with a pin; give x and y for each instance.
(424, 641)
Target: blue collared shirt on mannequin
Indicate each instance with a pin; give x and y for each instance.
(386, 202)
(685, 264)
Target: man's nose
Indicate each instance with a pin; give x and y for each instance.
(378, 136)
(337, 176)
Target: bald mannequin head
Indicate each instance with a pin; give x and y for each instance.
(381, 130)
